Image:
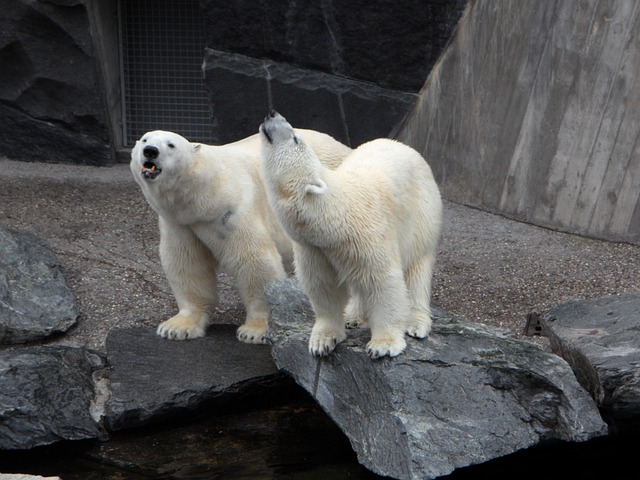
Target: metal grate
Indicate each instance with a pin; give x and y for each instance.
(162, 46)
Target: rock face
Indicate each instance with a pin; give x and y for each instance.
(243, 90)
(49, 110)
(350, 69)
(392, 44)
(152, 377)
(35, 301)
(601, 341)
(48, 394)
(464, 396)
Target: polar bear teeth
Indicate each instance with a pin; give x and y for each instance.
(150, 170)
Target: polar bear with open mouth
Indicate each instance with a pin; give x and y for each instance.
(365, 234)
(214, 215)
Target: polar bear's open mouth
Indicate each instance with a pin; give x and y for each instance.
(150, 170)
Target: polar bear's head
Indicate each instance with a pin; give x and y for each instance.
(285, 154)
(161, 153)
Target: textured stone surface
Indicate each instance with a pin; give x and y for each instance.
(152, 377)
(465, 395)
(49, 109)
(601, 340)
(48, 394)
(19, 476)
(244, 89)
(393, 44)
(35, 301)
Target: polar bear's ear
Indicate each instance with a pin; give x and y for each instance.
(318, 187)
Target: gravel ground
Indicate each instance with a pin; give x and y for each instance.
(490, 269)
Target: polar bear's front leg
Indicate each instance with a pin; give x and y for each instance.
(254, 264)
(389, 311)
(190, 268)
(328, 299)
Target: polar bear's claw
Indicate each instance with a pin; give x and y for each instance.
(392, 347)
(324, 341)
(180, 328)
(254, 335)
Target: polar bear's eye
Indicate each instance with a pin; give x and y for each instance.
(144, 140)
(171, 145)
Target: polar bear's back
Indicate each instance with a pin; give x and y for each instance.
(389, 162)
(402, 183)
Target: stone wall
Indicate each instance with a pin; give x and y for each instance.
(350, 69)
(532, 112)
(51, 103)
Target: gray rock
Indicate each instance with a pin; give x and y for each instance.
(48, 394)
(244, 89)
(463, 396)
(389, 43)
(152, 377)
(35, 301)
(49, 107)
(601, 341)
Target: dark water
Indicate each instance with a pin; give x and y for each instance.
(289, 439)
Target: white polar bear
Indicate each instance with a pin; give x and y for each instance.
(367, 230)
(213, 215)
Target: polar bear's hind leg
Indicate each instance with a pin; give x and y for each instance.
(419, 284)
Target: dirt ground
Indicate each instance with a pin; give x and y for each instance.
(490, 269)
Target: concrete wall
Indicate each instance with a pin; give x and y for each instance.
(533, 111)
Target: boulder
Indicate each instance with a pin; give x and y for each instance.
(463, 396)
(243, 90)
(35, 301)
(600, 339)
(152, 377)
(48, 394)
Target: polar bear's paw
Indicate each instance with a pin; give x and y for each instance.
(256, 334)
(420, 324)
(387, 345)
(182, 327)
(324, 339)
(353, 317)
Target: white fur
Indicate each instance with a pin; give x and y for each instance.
(365, 235)
(213, 215)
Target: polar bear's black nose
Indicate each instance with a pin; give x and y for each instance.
(150, 151)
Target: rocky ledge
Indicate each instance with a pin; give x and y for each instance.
(463, 396)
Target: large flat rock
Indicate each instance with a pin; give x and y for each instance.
(465, 395)
(601, 340)
(152, 377)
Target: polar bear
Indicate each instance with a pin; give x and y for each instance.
(213, 215)
(365, 235)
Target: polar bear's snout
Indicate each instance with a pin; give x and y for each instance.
(150, 168)
(150, 152)
(276, 127)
